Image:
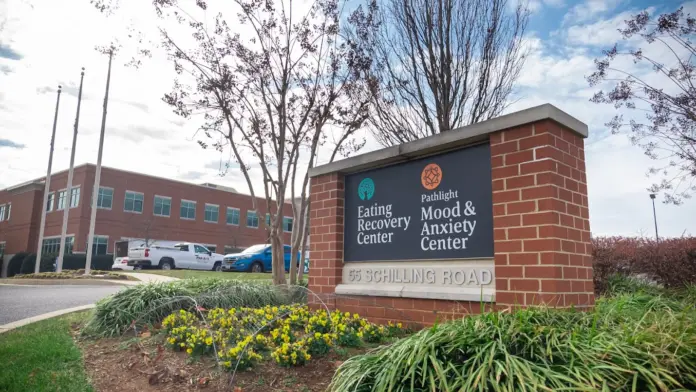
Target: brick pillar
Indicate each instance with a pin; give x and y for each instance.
(541, 218)
(326, 236)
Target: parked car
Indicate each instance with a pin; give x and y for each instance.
(121, 263)
(186, 255)
(256, 258)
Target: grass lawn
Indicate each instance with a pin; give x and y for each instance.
(183, 274)
(43, 357)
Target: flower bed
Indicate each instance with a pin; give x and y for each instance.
(289, 335)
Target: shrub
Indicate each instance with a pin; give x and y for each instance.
(77, 261)
(631, 342)
(29, 263)
(150, 303)
(15, 264)
(670, 262)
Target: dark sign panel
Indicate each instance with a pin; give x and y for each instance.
(433, 208)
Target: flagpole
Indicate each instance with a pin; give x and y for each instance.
(68, 189)
(97, 176)
(47, 186)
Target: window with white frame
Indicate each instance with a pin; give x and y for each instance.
(212, 213)
(252, 219)
(2, 212)
(187, 210)
(133, 202)
(51, 246)
(9, 210)
(50, 201)
(287, 224)
(74, 197)
(61, 200)
(105, 198)
(163, 206)
(232, 216)
(100, 245)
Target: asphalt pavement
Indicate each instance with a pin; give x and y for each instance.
(20, 302)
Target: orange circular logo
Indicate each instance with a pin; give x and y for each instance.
(431, 176)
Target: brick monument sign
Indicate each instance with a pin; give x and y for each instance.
(493, 214)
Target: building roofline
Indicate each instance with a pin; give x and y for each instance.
(41, 180)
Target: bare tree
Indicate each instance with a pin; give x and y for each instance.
(659, 86)
(276, 89)
(444, 64)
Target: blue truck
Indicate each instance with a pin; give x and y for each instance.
(257, 258)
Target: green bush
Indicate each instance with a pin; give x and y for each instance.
(29, 263)
(77, 261)
(151, 303)
(630, 342)
(15, 264)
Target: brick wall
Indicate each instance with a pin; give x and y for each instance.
(541, 218)
(541, 231)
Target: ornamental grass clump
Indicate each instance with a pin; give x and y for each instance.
(150, 303)
(630, 342)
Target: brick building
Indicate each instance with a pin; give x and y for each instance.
(130, 206)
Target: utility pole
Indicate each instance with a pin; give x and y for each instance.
(47, 186)
(97, 176)
(652, 196)
(68, 195)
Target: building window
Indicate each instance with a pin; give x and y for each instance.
(9, 210)
(51, 246)
(2, 212)
(212, 248)
(212, 213)
(163, 206)
(100, 245)
(233, 216)
(105, 198)
(287, 224)
(188, 209)
(268, 220)
(61, 200)
(74, 197)
(49, 203)
(252, 219)
(133, 202)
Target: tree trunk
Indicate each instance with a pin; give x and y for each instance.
(303, 240)
(278, 258)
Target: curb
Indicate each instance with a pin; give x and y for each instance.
(30, 320)
(65, 282)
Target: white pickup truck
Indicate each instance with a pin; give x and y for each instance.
(184, 255)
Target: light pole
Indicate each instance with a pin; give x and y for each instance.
(652, 196)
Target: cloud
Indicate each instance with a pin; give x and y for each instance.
(589, 10)
(603, 33)
(9, 53)
(191, 175)
(535, 6)
(11, 144)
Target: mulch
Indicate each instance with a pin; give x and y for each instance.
(143, 364)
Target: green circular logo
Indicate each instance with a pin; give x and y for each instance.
(366, 189)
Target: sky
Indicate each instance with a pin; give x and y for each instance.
(44, 43)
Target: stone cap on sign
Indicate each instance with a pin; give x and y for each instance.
(455, 138)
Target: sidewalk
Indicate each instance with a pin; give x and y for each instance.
(148, 278)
